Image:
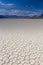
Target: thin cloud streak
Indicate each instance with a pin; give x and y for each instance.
(6, 6)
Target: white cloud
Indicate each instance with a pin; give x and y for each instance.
(8, 9)
(18, 12)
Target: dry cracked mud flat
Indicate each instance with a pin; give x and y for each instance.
(21, 46)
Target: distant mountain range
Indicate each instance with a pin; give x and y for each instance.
(28, 17)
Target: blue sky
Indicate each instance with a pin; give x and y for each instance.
(21, 7)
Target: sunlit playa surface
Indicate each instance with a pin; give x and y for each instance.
(21, 41)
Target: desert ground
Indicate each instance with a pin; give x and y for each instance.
(21, 41)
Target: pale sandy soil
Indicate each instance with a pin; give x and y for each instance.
(21, 42)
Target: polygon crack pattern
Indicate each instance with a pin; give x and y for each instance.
(20, 52)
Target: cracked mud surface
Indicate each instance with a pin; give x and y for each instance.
(20, 52)
(21, 41)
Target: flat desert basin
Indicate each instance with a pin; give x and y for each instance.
(21, 41)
